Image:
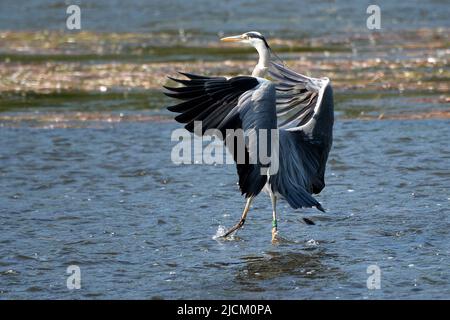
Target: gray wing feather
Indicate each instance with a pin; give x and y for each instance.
(246, 103)
(256, 110)
(299, 97)
(305, 115)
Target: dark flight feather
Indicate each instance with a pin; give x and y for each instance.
(211, 100)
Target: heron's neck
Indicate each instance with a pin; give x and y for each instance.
(263, 62)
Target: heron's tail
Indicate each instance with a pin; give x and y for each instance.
(300, 198)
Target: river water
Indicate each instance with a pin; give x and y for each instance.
(86, 179)
(107, 198)
(294, 18)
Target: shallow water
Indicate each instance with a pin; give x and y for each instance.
(86, 177)
(107, 198)
(294, 18)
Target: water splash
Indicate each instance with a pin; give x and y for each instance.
(221, 230)
(312, 243)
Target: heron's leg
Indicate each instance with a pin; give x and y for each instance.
(243, 217)
(274, 217)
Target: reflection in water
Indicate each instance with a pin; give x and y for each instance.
(301, 267)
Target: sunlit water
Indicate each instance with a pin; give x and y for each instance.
(292, 18)
(107, 198)
(98, 189)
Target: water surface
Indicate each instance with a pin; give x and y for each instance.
(105, 196)
(86, 177)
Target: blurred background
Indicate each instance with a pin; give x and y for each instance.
(86, 177)
(129, 47)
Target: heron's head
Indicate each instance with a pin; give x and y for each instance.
(253, 38)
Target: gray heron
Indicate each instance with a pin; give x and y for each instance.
(298, 107)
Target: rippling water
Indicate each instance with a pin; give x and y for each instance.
(86, 177)
(107, 198)
(287, 17)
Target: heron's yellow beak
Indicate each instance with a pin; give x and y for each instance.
(232, 39)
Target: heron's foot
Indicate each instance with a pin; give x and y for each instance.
(275, 238)
(235, 228)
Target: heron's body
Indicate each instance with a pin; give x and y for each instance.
(298, 108)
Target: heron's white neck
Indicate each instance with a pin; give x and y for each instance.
(263, 62)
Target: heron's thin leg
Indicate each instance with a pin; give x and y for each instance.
(274, 217)
(243, 217)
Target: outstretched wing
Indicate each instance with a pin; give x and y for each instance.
(301, 100)
(246, 103)
(305, 115)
